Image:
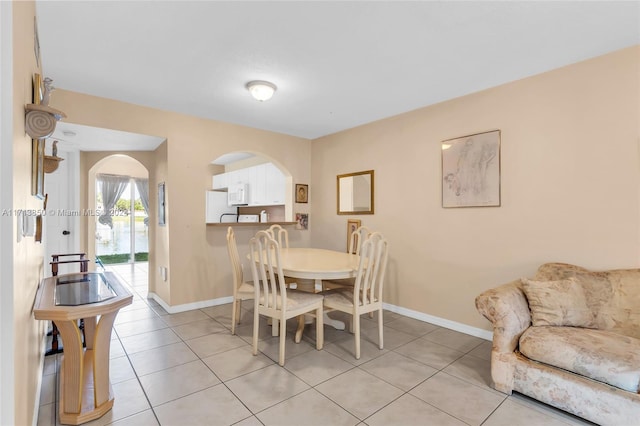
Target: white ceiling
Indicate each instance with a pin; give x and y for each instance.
(337, 65)
(76, 137)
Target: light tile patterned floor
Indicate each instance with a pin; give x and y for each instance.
(187, 369)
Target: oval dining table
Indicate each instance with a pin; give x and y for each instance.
(318, 264)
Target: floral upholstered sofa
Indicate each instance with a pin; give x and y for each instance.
(569, 337)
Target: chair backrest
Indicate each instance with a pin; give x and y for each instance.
(81, 259)
(268, 279)
(236, 265)
(357, 238)
(279, 234)
(371, 269)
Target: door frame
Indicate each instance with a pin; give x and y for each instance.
(70, 181)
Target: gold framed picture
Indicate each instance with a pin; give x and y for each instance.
(37, 168)
(302, 193)
(352, 225)
(38, 89)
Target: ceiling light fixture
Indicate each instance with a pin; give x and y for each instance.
(261, 90)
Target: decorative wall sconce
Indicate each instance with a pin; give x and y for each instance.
(51, 162)
(40, 118)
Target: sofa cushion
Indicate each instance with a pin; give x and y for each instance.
(613, 295)
(600, 355)
(560, 303)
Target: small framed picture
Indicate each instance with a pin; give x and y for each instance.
(352, 225)
(302, 193)
(303, 221)
(162, 220)
(36, 41)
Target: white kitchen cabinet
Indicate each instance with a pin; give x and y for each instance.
(258, 185)
(266, 183)
(275, 185)
(220, 181)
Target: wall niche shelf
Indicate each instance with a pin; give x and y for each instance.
(251, 223)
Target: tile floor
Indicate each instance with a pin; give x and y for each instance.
(187, 369)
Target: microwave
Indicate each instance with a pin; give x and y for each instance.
(238, 194)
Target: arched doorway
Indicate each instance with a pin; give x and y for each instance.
(118, 192)
(243, 161)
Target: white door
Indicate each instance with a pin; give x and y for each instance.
(62, 222)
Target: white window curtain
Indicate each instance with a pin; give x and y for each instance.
(111, 187)
(143, 190)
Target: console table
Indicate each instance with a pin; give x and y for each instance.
(85, 388)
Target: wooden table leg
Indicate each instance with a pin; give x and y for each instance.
(85, 389)
(102, 342)
(71, 381)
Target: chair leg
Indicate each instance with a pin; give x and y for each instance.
(319, 328)
(238, 311)
(274, 327)
(234, 312)
(380, 329)
(283, 338)
(55, 349)
(356, 331)
(256, 325)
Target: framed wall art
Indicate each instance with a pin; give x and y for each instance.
(36, 41)
(471, 170)
(302, 220)
(38, 89)
(352, 225)
(302, 193)
(162, 219)
(37, 168)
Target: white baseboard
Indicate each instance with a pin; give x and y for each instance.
(442, 322)
(189, 306)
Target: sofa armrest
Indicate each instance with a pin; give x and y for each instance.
(508, 310)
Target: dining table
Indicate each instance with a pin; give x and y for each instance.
(317, 264)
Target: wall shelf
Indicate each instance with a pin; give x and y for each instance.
(251, 223)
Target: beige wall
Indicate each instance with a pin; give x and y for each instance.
(197, 259)
(570, 185)
(159, 237)
(28, 346)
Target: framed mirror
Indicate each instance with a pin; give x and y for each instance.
(355, 193)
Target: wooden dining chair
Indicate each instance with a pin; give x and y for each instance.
(357, 237)
(242, 290)
(279, 234)
(366, 294)
(273, 299)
